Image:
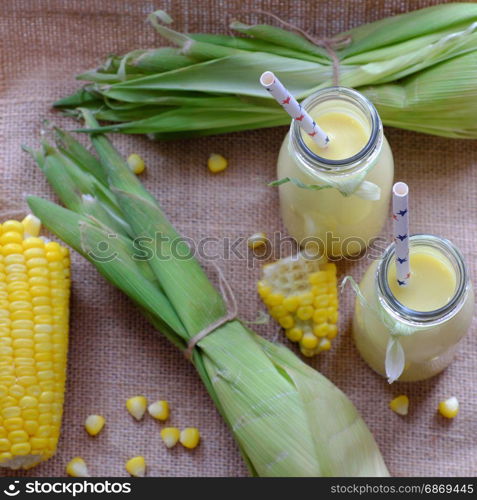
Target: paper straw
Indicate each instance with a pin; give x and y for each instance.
(401, 232)
(293, 108)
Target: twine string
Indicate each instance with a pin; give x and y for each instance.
(331, 45)
(231, 314)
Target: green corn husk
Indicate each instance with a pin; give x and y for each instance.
(287, 418)
(418, 69)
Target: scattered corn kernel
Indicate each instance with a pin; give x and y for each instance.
(257, 240)
(137, 406)
(217, 163)
(136, 163)
(31, 225)
(190, 437)
(449, 408)
(301, 294)
(159, 410)
(94, 424)
(77, 468)
(170, 436)
(400, 405)
(136, 466)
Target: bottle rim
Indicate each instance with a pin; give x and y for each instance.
(423, 318)
(372, 148)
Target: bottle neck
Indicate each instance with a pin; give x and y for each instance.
(347, 101)
(402, 313)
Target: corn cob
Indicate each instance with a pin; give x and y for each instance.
(301, 294)
(34, 294)
(417, 68)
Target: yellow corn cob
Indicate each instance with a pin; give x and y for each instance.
(34, 295)
(302, 295)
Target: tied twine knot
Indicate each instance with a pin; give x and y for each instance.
(331, 45)
(231, 314)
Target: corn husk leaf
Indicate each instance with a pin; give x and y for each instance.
(397, 62)
(276, 407)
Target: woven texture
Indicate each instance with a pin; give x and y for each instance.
(114, 353)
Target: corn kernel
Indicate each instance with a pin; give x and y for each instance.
(286, 321)
(294, 334)
(159, 410)
(291, 303)
(449, 408)
(324, 345)
(190, 437)
(77, 468)
(136, 163)
(94, 424)
(306, 299)
(263, 290)
(333, 317)
(318, 278)
(274, 299)
(400, 405)
(309, 341)
(136, 406)
(321, 330)
(278, 311)
(216, 163)
(304, 312)
(170, 436)
(307, 352)
(12, 225)
(257, 240)
(332, 331)
(136, 466)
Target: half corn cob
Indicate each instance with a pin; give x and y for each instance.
(34, 294)
(288, 419)
(301, 294)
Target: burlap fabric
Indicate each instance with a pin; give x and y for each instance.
(114, 353)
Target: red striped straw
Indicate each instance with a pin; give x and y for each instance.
(293, 108)
(401, 232)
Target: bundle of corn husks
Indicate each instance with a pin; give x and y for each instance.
(419, 69)
(288, 419)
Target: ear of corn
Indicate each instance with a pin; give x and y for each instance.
(417, 68)
(34, 296)
(287, 418)
(301, 293)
